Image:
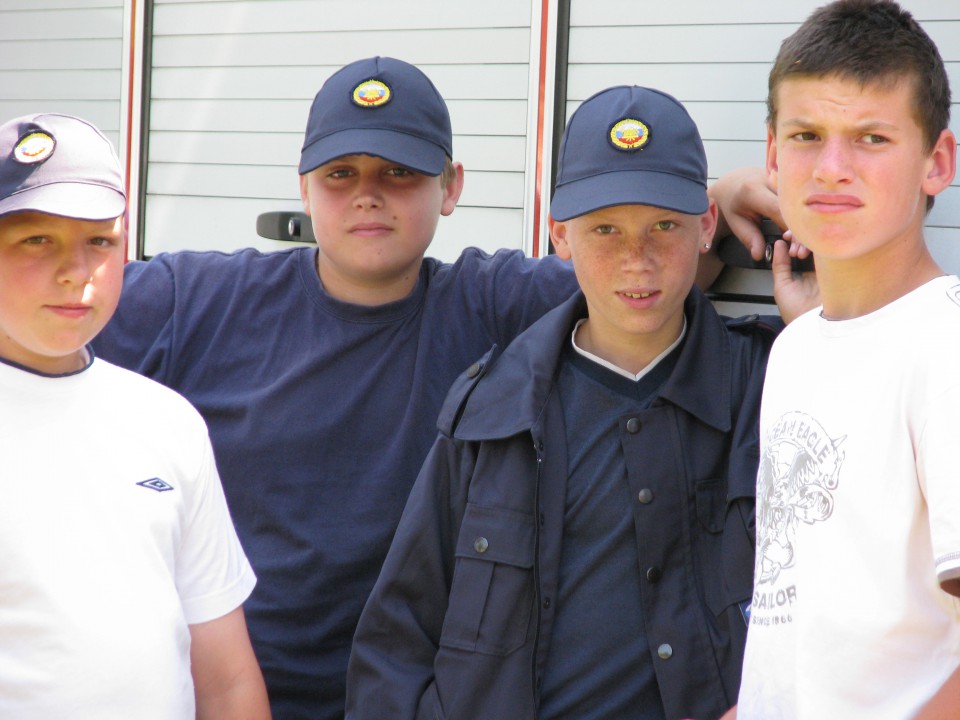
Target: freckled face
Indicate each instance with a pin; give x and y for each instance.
(373, 220)
(60, 281)
(636, 265)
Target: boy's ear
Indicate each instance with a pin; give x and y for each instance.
(772, 166)
(558, 234)
(708, 227)
(941, 164)
(304, 195)
(452, 190)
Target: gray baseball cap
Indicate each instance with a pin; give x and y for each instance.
(61, 165)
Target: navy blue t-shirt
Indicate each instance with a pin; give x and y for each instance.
(321, 413)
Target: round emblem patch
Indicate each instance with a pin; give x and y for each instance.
(629, 134)
(34, 147)
(371, 93)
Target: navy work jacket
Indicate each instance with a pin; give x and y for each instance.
(459, 622)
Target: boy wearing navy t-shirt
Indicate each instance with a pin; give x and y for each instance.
(320, 371)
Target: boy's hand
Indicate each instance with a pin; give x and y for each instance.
(743, 197)
(795, 293)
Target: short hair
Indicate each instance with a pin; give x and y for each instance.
(872, 42)
(448, 173)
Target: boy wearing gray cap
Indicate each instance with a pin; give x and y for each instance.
(122, 578)
(578, 543)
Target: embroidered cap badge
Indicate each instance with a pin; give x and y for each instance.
(629, 134)
(34, 147)
(372, 93)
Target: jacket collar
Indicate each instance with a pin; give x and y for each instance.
(510, 397)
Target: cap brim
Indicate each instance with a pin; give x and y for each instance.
(81, 201)
(407, 150)
(635, 187)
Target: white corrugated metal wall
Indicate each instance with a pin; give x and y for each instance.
(232, 81)
(62, 56)
(232, 84)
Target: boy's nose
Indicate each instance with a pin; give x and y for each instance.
(833, 162)
(75, 267)
(635, 254)
(368, 194)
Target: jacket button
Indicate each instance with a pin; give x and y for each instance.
(481, 544)
(546, 602)
(474, 369)
(633, 425)
(665, 652)
(645, 496)
(654, 574)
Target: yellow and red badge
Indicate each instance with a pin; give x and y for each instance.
(629, 134)
(371, 93)
(34, 147)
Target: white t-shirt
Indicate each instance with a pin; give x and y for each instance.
(858, 514)
(114, 536)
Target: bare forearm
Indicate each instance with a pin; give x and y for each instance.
(227, 681)
(244, 699)
(945, 703)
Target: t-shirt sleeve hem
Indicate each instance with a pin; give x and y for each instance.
(214, 605)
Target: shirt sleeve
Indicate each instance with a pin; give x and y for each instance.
(508, 292)
(213, 575)
(938, 464)
(140, 334)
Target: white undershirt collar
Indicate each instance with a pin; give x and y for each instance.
(619, 370)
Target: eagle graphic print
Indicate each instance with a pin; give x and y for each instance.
(799, 470)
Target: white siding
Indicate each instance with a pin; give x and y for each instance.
(62, 56)
(232, 84)
(233, 81)
(714, 57)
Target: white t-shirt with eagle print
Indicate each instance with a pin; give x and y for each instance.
(858, 514)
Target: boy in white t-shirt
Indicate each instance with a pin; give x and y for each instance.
(122, 580)
(855, 611)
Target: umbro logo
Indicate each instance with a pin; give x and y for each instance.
(156, 484)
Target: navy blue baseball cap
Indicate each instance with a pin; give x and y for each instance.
(379, 106)
(60, 165)
(630, 145)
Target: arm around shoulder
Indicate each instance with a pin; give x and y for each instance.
(227, 680)
(140, 332)
(743, 196)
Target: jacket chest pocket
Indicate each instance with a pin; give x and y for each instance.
(726, 545)
(492, 590)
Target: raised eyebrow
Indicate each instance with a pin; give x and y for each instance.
(796, 122)
(796, 125)
(877, 127)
